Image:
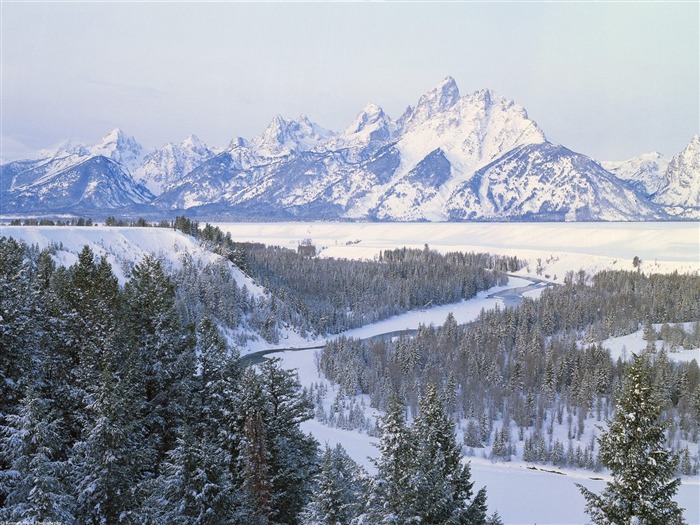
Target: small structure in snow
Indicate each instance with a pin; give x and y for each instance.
(306, 248)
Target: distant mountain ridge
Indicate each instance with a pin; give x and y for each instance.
(452, 157)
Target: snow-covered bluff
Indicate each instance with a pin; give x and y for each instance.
(450, 157)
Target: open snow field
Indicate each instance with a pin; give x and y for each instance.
(662, 247)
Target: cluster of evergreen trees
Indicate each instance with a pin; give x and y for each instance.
(515, 374)
(77, 221)
(321, 296)
(114, 409)
(420, 476)
(333, 295)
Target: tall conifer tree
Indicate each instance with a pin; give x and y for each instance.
(634, 450)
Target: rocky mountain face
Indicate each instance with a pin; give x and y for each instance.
(164, 168)
(682, 179)
(73, 184)
(451, 157)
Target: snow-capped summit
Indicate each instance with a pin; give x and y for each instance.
(237, 142)
(283, 137)
(369, 131)
(474, 130)
(193, 143)
(644, 172)
(683, 178)
(371, 116)
(121, 148)
(441, 98)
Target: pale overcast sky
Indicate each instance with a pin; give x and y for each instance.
(611, 80)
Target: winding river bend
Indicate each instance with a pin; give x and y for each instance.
(511, 298)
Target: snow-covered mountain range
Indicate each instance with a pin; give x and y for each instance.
(451, 157)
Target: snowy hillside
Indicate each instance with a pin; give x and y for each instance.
(122, 246)
(522, 492)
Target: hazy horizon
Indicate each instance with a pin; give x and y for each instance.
(611, 80)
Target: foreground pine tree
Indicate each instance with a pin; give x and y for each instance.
(35, 484)
(633, 448)
(441, 484)
(420, 475)
(340, 492)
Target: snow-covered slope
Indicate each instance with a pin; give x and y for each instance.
(644, 172)
(121, 246)
(75, 178)
(547, 182)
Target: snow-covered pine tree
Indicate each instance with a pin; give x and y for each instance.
(292, 454)
(165, 357)
(634, 450)
(197, 484)
(441, 489)
(391, 485)
(35, 484)
(219, 375)
(195, 487)
(341, 490)
(105, 462)
(16, 323)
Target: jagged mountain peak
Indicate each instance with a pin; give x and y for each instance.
(237, 142)
(473, 131)
(193, 142)
(120, 147)
(441, 98)
(369, 115)
(444, 95)
(645, 172)
(285, 136)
